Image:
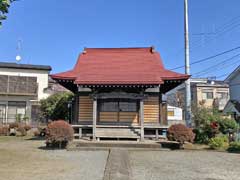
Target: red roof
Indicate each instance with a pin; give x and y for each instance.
(119, 66)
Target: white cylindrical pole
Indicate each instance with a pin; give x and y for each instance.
(187, 68)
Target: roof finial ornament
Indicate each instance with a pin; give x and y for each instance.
(152, 49)
(84, 50)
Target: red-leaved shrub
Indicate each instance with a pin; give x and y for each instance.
(59, 133)
(13, 125)
(21, 131)
(36, 133)
(180, 133)
(27, 127)
(4, 130)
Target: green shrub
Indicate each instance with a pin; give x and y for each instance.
(219, 142)
(201, 136)
(234, 147)
(59, 133)
(227, 125)
(56, 106)
(18, 118)
(180, 133)
(209, 123)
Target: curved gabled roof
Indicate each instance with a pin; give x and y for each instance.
(119, 66)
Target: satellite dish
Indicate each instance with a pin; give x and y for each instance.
(18, 58)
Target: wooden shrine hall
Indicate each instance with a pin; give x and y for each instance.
(118, 92)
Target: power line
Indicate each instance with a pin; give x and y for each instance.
(223, 75)
(220, 33)
(218, 64)
(224, 28)
(208, 58)
(230, 22)
(217, 69)
(228, 26)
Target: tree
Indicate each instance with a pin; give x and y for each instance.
(4, 6)
(56, 106)
(209, 122)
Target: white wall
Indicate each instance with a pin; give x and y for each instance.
(177, 113)
(42, 78)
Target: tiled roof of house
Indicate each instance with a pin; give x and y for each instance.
(119, 66)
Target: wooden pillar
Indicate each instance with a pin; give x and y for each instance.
(164, 113)
(160, 108)
(142, 119)
(94, 118)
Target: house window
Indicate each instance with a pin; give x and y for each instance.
(170, 112)
(18, 84)
(118, 106)
(108, 106)
(128, 106)
(16, 108)
(207, 95)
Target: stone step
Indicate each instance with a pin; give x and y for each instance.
(117, 133)
(117, 144)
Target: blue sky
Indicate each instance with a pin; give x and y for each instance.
(55, 32)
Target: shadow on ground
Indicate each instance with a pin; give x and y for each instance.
(36, 139)
(45, 148)
(170, 145)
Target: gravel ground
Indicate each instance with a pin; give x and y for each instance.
(185, 165)
(27, 160)
(23, 159)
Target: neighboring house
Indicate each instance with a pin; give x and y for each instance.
(174, 115)
(21, 88)
(204, 92)
(54, 87)
(233, 105)
(118, 92)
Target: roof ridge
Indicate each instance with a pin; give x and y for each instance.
(150, 49)
(118, 48)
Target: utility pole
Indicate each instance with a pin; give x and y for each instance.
(187, 69)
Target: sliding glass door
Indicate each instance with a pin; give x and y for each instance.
(16, 110)
(2, 113)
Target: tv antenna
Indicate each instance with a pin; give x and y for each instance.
(18, 56)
